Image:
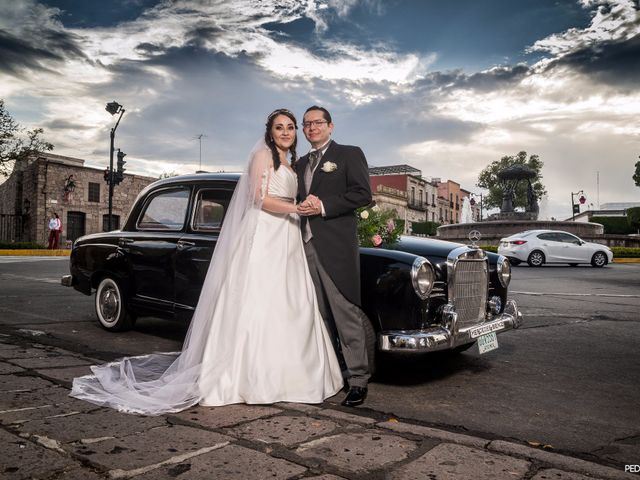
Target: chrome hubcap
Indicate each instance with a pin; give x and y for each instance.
(109, 303)
(599, 260)
(536, 259)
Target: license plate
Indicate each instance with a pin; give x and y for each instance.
(487, 342)
(484, 329)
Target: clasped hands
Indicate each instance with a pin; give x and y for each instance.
(310, 206)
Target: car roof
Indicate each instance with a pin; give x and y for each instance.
(527, 233)
(199, 177)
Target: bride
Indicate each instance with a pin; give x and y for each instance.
(256, 335)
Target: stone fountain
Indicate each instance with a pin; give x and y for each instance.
(509, 221)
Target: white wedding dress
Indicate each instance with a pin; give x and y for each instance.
(279, 349)
(256, 336)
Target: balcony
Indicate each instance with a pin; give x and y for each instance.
(422, 206)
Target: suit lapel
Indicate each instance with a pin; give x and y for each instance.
(327, 157)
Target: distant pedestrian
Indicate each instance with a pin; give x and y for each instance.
(54, 231)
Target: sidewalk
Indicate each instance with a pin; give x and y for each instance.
(48, 435)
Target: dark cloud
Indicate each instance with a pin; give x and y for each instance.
(608, 62)
(497, 78)
(20, 54)
(60, 124)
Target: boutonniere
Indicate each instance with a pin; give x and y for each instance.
(328, 167)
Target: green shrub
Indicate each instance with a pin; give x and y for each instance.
(489, 248)
(625, 252)
(21, 246)
(424, 228)
(614, 225)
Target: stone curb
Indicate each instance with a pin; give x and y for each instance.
(558, 461)
(35, 253)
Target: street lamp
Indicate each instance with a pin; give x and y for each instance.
(472, 201)
(575, 208)
(113, 108)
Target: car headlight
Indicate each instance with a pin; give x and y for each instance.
(504, 271)
(422, 277)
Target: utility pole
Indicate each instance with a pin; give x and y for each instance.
(113, 108)
(199, 138)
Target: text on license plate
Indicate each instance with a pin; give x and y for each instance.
(484, 329)
(487, 342)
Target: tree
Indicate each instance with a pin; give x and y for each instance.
(633, 217)
(16, 143)
(488, 179)
(636, 176)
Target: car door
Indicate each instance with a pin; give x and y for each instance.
(575, 250)
(196, 246)
(553, 247)
(151, 248)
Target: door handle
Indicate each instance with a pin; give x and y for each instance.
(124, 242)
(184, 244)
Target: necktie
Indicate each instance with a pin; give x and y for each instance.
(314, 157)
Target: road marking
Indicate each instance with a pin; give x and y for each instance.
(24, 277)
(555, 294)
(4, 259)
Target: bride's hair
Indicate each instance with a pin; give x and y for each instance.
(268, 139)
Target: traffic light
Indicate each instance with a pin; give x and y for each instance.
(106, 175)
(120, 171)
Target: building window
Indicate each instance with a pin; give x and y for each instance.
(94, 192)
(413, 194)
(115, 222)
(457, 219)
(433, 199)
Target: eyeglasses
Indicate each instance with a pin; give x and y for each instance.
(313, 123)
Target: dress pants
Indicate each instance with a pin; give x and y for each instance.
(342, 317)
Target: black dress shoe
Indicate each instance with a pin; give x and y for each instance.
(355, 397)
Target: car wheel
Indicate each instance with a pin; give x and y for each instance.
(111, 310)
(536, 259)
(371, 342)
(573, 264)
(599, 260)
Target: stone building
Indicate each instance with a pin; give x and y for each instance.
(51, 183)
(414, 198)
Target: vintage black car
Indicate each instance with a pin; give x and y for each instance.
(421, 296)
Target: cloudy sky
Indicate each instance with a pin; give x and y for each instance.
(446, 87)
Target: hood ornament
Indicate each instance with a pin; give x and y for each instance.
(474, 236)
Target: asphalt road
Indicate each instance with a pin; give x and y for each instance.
(569, 378)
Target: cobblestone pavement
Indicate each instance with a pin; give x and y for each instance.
(48, 435)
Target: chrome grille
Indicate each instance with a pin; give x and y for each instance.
(469, 291)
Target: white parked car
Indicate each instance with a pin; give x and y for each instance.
(537, 247)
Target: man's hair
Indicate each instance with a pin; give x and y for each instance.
(325, 112)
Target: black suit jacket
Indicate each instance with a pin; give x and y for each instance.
(341, 192)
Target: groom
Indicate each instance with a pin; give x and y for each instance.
(333, 180)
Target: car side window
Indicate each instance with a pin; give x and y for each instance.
(549, 237)
(566, 238)
(165, 210)
(211, 206)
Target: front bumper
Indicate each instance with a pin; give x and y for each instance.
(442, 338)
